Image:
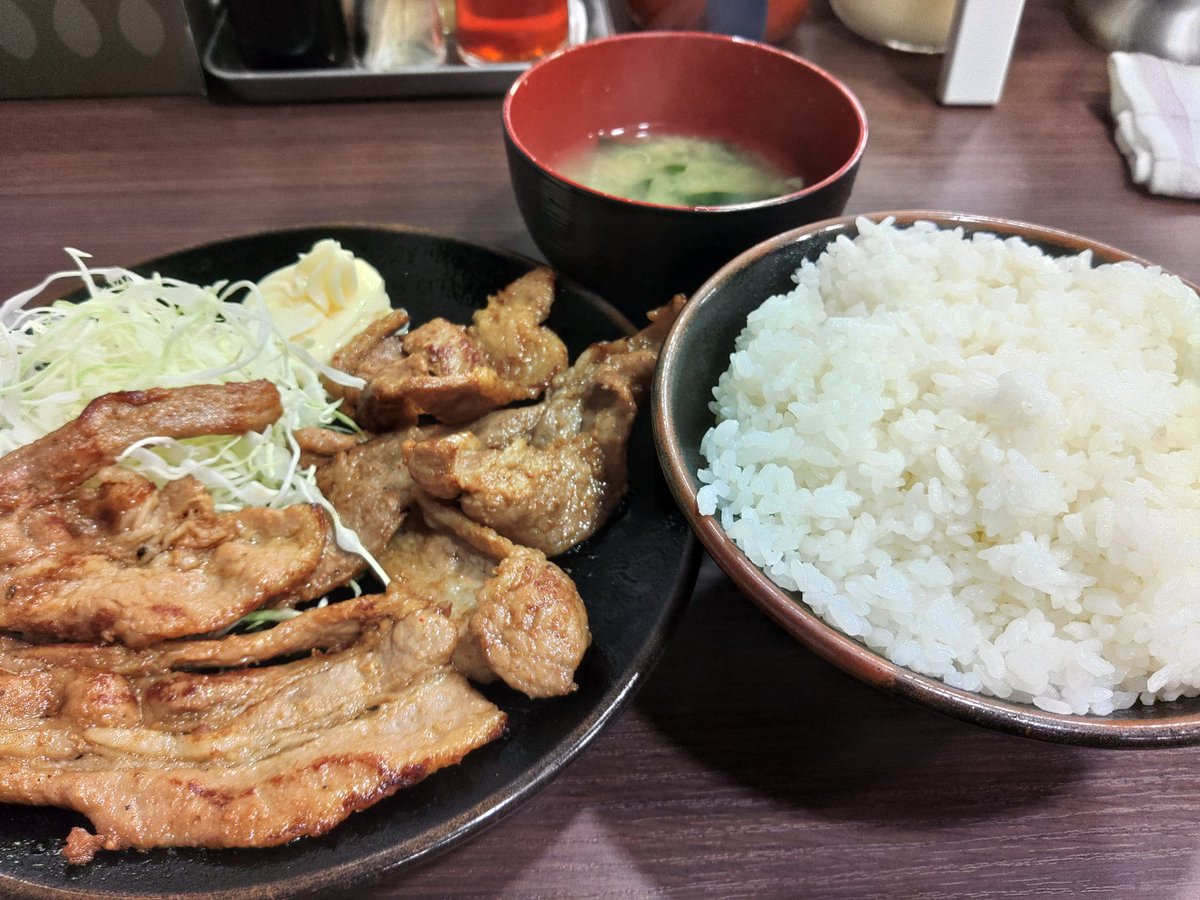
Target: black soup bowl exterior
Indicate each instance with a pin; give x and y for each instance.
(639, 254)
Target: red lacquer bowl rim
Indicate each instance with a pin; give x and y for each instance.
(537, 69)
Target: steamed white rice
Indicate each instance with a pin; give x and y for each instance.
(979, 460)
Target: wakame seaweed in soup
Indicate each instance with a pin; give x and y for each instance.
(678, 170)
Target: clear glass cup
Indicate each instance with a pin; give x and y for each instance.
(500, 31)
(916, 26)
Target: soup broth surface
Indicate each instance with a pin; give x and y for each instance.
(677, 170)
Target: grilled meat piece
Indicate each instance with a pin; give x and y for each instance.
(247, 757)
(318, 444)
(378, 347)
(49, 467)
(519, 616)
(99, 566)
(451, 372)
(113, 557)
(548, 475)
(326, 628)
(369, 486)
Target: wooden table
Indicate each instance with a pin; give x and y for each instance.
(745, 766)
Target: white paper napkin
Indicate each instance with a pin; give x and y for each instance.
(1156, 106)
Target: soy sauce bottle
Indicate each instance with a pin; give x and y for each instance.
(289, 34)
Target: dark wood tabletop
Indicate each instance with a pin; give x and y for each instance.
(745, 766)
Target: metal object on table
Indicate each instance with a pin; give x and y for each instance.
(1166, 28)
(590, 19)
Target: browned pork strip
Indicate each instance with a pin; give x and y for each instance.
(369, 486)
(183, 592)
(451, 372)
(240, 758)
(519, 616)
(166, 566)
(327, 628)
(302, 792)
(547, 476)
(62, 460)
(91, 551)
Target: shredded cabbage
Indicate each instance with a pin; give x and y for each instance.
(262, 618)
(133, 333)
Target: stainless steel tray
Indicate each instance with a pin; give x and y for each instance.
(590, 19)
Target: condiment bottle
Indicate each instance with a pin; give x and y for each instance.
(981, 46)
(289, 34)
(400, 34)
(503, 31)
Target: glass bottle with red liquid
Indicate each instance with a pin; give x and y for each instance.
(498, 31)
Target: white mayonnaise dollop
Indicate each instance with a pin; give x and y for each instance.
(326, 297)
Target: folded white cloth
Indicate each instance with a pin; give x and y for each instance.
(1156, 106)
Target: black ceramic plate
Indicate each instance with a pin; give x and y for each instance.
(634, 576)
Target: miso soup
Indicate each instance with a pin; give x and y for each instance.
(677, 170)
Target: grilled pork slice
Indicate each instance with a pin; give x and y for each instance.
(519, 616)
(369, 486)
(43, 471)
(451, 372)
(91, 551)
(548, 475)
(326, 628)
(247, 757)
(120, 560)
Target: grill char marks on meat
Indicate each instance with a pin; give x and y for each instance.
(548, 475)
(455, 373)
(520, 617)
(90, 551)
(247, 757)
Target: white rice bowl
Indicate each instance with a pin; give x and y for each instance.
(979, 460)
